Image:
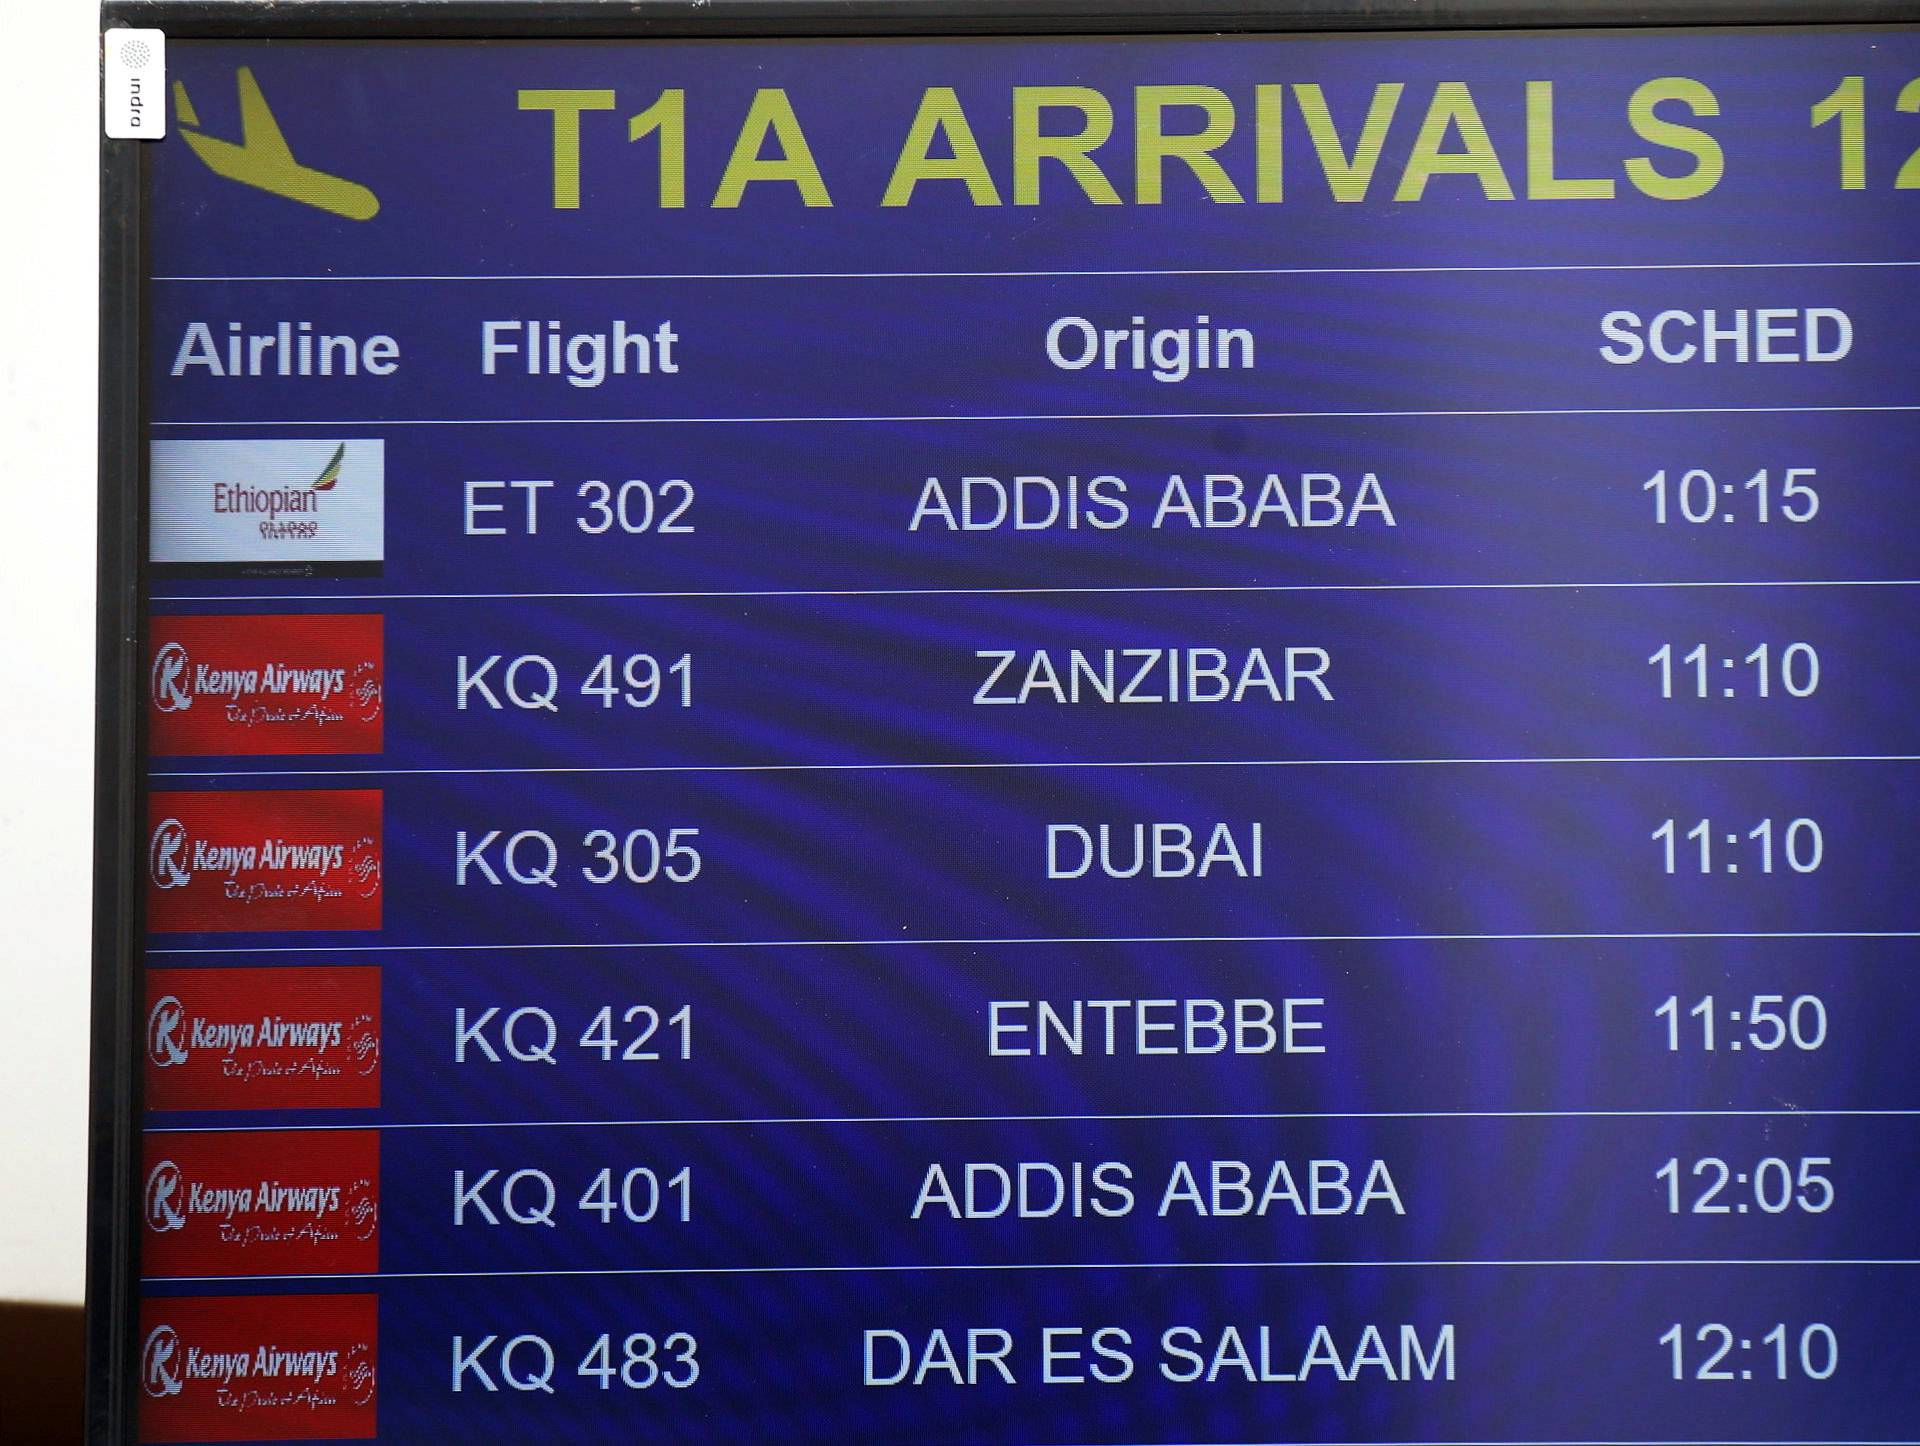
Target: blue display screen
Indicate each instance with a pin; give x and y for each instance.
(1071, 740)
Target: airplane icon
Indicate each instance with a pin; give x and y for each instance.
(262, 158)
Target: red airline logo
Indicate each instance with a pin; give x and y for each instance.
(305, 683)
(294, 1202)
(263, 861)
(263, 1039)
(258, 1367)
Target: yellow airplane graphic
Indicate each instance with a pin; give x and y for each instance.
(264, 159)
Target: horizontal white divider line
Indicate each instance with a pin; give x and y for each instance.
(1008, 1266)
(1010, 275)
(943, 767)
(806, 592)
(367, 424)
(1237, 1116)
(895, 943)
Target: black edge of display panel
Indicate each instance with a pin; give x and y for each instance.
(113, 1115)
(119, 741)
(721, 19)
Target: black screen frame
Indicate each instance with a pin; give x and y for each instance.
(120, 732)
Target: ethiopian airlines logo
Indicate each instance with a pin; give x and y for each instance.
(264, 506)
(330, 474)
(165, 857)
(263, 159)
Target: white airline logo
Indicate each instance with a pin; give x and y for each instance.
(166, 855)
(166, 1205)
(159, 1362)
(170, 694)
(289, 505)
(165, 1022)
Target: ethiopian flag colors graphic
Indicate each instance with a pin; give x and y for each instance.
(330, 474)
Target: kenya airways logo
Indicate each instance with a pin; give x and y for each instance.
(166, 856)
(320, 677)
(264, 861)
(171, 1199)
(160, 1363)
(165, 1200)
(166, 1025)
(276, 1038)
(167, 1366)
(250, 1368)
(175, 858)
(171, 1038)
(170, 693)
(177, 682)
(261, 1202)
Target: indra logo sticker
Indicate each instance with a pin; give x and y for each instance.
(280, 1038)
(268, 508)
(254, 685)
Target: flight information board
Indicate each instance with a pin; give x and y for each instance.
(1047, 740)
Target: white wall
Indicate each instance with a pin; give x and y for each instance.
(48, 309)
